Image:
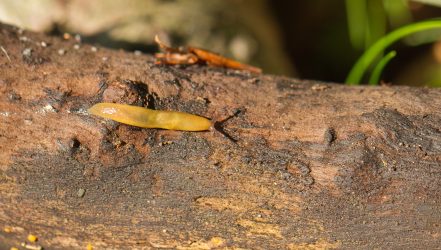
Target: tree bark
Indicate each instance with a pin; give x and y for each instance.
(289, 163)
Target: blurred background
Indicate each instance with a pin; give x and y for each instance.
(317, 39)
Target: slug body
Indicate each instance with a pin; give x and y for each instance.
(148, 118)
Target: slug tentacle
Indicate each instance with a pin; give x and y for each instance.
(148, 118)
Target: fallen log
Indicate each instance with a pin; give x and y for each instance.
(289, 163)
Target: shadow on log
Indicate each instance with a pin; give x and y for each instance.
(294, 164)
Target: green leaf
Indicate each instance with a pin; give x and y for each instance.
(376, 73)
(360, 67)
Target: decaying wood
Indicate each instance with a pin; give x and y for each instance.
(291, 164)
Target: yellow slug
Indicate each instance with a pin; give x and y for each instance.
(148, 118)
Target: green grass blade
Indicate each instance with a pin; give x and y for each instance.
(357, 22)
(359, 68)
(398, 12)
(376, 73)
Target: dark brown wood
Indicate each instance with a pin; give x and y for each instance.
(290, 163)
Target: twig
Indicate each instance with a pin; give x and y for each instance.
(219, 126)
(6, 53)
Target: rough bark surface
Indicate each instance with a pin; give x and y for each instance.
(290, 164)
